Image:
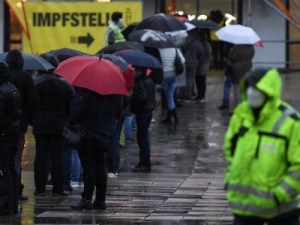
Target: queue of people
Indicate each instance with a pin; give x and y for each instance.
(48, 102)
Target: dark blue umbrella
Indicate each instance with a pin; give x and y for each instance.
(140, 59)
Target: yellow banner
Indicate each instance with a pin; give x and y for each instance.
(76, 25)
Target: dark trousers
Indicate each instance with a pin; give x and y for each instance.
(290, 218)
(48, 144)
(143, 121)
(201, 86)
(9, 179)
(94, 172)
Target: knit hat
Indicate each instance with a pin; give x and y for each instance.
(15, 59)
(116, 16)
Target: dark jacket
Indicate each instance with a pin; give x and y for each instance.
(24, 83)
(143, 95)
(54, 97)
(192, 49)
(100, 112)
(10, 112)
(240, 57)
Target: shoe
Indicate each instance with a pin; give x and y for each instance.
(83, 204)
(39, 193)
(112, 174)
(63, 193)
(74, 184)
(202, 100)
(99, 205)
(139, 168)
(221, 107)
(23, 198)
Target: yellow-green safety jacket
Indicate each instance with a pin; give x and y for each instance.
(263, 172)
(118, 36)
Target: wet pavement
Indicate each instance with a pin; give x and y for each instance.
(185, 186)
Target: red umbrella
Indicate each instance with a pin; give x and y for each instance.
(96, 74)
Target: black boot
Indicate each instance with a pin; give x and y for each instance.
(83, 204)
(174, 114)
(168, 118)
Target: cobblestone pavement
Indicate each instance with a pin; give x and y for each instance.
(185, 186)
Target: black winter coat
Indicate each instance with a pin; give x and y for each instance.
(24, 83)
(143, 95)
(54, 96)
(10, 112)
(100, 112)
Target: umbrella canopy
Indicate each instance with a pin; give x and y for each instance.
(65, 53)
(94, 73)
(162, 23)
(204, 24)
(121, 46)
(151, 38)
(32, 62)
(140, 59)
(128, 30)
(238, 34)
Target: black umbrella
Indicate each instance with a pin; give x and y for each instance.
(151, 38)
(121, 46)
(117, 60)
(205, 24)
(161, 23)
(65, 53)
(32, 62)
(128, 30)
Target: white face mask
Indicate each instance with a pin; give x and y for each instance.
(255, 97)
(121, 23)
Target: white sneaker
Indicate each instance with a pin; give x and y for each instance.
(112, 175)
(74, 184)
(202, 100)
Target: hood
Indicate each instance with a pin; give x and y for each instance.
(267, 80)
(15, 60)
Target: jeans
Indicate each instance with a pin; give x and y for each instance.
(143, 121)
(226, 93)
(67, 167)
(76, 175)
(128, 127)
(169, 87)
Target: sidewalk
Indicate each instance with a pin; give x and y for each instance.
(185, 185)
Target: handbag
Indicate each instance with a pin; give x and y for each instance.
(179, 67)
(73, 135)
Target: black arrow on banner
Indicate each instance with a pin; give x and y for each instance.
(88, 39)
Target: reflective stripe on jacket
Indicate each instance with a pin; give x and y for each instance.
(263, 172)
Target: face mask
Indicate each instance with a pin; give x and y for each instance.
(255, 97)
(120, 24)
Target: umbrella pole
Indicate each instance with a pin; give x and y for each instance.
(249, 22)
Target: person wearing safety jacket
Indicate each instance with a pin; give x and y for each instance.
(114, 31)
(262, 148)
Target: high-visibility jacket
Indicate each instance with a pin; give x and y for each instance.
(118, 36)
(263, 172)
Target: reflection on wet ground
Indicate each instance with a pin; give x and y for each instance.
(185, 186)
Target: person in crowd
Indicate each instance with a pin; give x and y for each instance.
(192, 51)
(240, 58)
(228, 77)
(24, 83)
(142, 104)
(262, 149)
(101, 113)
(203, 67)
(10, 117)
(217, 16)
(53, 106)
(169, 83)
(114, 31)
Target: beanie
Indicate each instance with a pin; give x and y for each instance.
(116, 16)
(15, 59)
